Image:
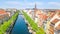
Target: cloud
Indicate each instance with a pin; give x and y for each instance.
(54, 3)
(23, 3)
(39, 3)
(12, 2)
(33, 3)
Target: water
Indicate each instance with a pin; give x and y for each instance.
(20, 26)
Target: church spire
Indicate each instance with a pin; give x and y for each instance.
(35, 6)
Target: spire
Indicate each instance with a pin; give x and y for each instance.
(35, 6)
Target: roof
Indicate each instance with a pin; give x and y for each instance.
(58, 27)
(55, 21)
(57, 10)
(59, 14)
(51, 14)
(2, 12)
(43, 16)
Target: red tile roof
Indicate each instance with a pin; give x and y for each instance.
(57, 10)
(52, 14)
(2, 12)
(43, 16)
(55, 21)
(58, 27)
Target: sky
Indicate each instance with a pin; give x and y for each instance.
(22, 4)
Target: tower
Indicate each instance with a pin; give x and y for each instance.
(35, 9)
(35, 6)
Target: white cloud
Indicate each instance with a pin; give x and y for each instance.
(23, 3)
(54, 3)
(33, 3)
(12, 2)
(39, 3)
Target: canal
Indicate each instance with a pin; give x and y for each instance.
(20, 26)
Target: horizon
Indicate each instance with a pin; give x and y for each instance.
(23, 4)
